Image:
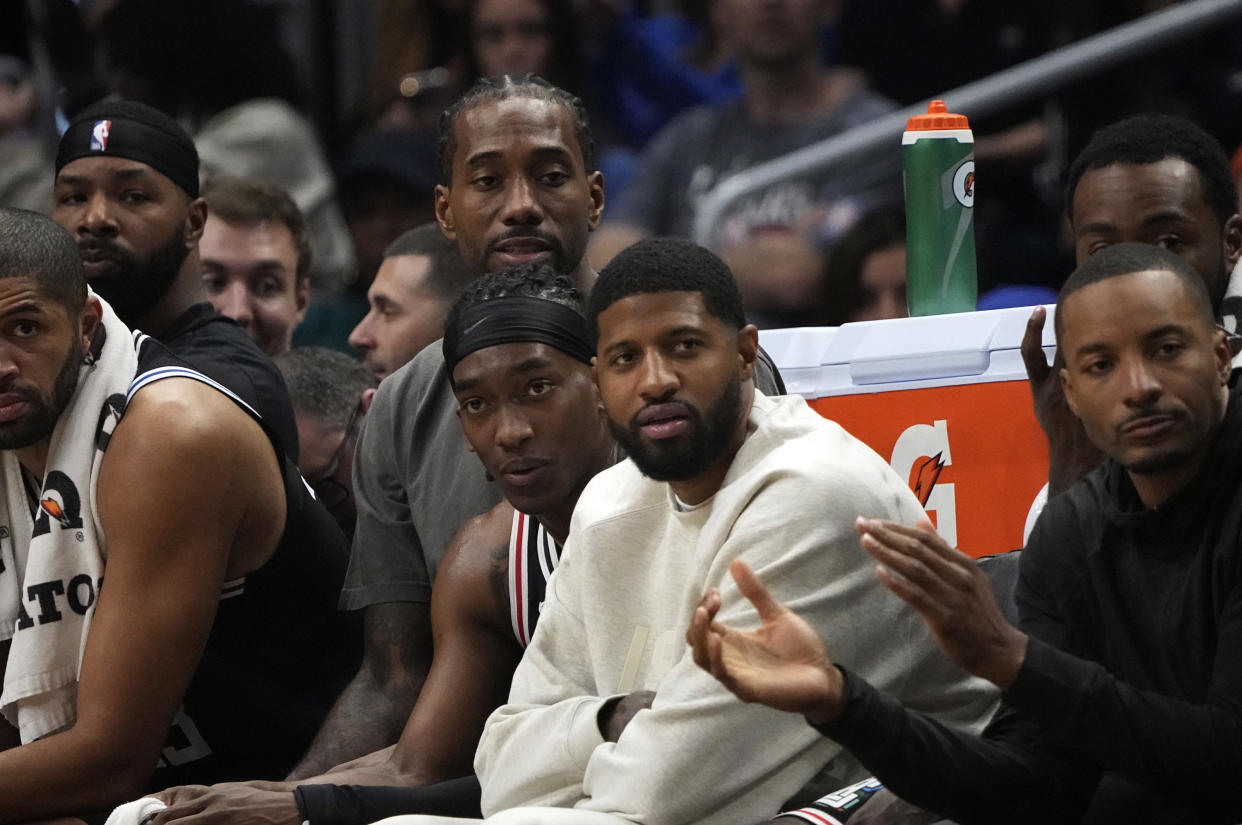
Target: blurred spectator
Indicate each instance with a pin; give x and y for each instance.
(867, 270)
(387, 182)
(256, 259)
(771, 239)
(650, 69)
(219, 67)
(331, 394)
(421, 274)
(914, 50)
(413, 38)
(24, 164)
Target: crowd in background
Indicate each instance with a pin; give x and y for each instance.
(363, 174)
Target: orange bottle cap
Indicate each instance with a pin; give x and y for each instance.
(937, 117)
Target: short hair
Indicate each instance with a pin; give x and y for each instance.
(35, 246)
(1126, 259)
(528, 86)
(244, 202)
(1151, 138)
(667, 265)
(447, 273)
(879, 229)
(524, 280)
(325, 384)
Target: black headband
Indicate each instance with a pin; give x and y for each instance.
(517, 319)
(123, 138)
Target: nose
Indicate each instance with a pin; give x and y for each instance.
(521, 206)
(234, 301)
(96, 217)
(512, 428)
(1142, 385)
(362, 337)
(656, 378)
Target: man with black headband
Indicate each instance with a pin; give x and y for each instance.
(127, 190)
(518, 355)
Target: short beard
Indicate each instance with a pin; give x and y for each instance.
(46, 410)
(138, 285)
(690, 458)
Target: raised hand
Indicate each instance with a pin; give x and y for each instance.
(951, 593)
(782, 664)
(1071, 455)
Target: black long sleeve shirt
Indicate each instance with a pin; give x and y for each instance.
(1129, 702)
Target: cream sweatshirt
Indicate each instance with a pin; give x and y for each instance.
(618, 607)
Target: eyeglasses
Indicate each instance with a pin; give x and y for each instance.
(330, 492)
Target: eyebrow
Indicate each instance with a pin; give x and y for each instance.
(492, 154)
(1164, 329)
(29, 306)
(535, 362)
(1167, 216)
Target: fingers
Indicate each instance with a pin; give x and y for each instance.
(1037, 369)
(922, 559)
(700, 630)
(750, 586)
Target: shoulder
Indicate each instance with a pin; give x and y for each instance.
(619, 491)
(793, 450)
(695, 123)
(473, 575)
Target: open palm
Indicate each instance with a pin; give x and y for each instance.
(782, 664)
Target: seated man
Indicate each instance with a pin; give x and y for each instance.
(256, 258)
(215, 649)
(609, 720)
(518, 356)
(1123, 685)
(331, 394)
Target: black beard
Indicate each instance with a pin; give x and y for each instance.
(138, 285)
(46, 410)
(690, 457)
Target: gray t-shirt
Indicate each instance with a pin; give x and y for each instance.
(708, 143)
(415, 484)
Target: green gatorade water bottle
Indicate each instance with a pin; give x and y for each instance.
(938, 166)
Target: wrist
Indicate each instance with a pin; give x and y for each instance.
(832, 701)
(1008, 663)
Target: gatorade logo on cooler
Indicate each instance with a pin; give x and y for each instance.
(964, 184)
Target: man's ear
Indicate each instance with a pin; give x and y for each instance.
(368, 395)
(301, 298)
(1232, 238)
(444, 213)
(1223, 355)
(595, 188)
(89, 321)
(748, 349)
(195, 220)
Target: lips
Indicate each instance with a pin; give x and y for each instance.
(1149, 425)
(98, 261)
(12, 406)
(522, 472)
(667, 420)
(522, 248)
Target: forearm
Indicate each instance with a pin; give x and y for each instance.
(367, 717)
(66, 774)
(1153, 739)
(1007, 775)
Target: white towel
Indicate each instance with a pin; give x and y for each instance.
(53, 562)
(1231, 312)
(136, 812)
